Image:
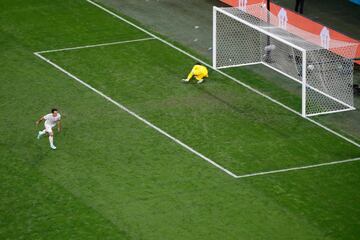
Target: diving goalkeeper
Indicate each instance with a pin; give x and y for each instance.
(199, 71)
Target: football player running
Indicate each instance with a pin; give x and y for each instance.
(51, 120)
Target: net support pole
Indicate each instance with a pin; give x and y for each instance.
(303, 90)
(214, 38)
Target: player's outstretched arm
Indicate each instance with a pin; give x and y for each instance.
(191, 74)
(39, 121)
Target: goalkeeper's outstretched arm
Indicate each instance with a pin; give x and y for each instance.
(39, 120)
(191, 74)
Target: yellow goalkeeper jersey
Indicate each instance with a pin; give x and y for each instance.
(199, 72)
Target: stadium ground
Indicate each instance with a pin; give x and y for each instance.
(113, 177)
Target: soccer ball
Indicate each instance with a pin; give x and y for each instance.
(269, 48)
(310, 67)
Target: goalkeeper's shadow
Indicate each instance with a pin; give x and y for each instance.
(247, 113)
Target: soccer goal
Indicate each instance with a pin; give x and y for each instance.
(255, 36)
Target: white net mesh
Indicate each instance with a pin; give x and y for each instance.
(329, 82)
(237, 44)
(257, 36)
(281, 57)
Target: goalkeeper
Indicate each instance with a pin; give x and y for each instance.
(199, 71)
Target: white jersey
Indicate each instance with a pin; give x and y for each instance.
(50, 120)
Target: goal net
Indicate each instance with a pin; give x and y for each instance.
(255, 36)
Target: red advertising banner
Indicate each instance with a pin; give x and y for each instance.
(301, 22)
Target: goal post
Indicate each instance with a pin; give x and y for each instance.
(255, 36)
(303, 85)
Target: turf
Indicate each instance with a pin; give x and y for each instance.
(113, 177)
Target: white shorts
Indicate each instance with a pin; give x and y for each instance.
(48, 128)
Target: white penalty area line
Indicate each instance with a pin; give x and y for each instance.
(298, 168)
(122, 107)
(97, 45)
(223, 73)
(38, 54)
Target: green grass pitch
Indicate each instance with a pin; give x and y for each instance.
(114, 177)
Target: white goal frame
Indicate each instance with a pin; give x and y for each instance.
(306, 88)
